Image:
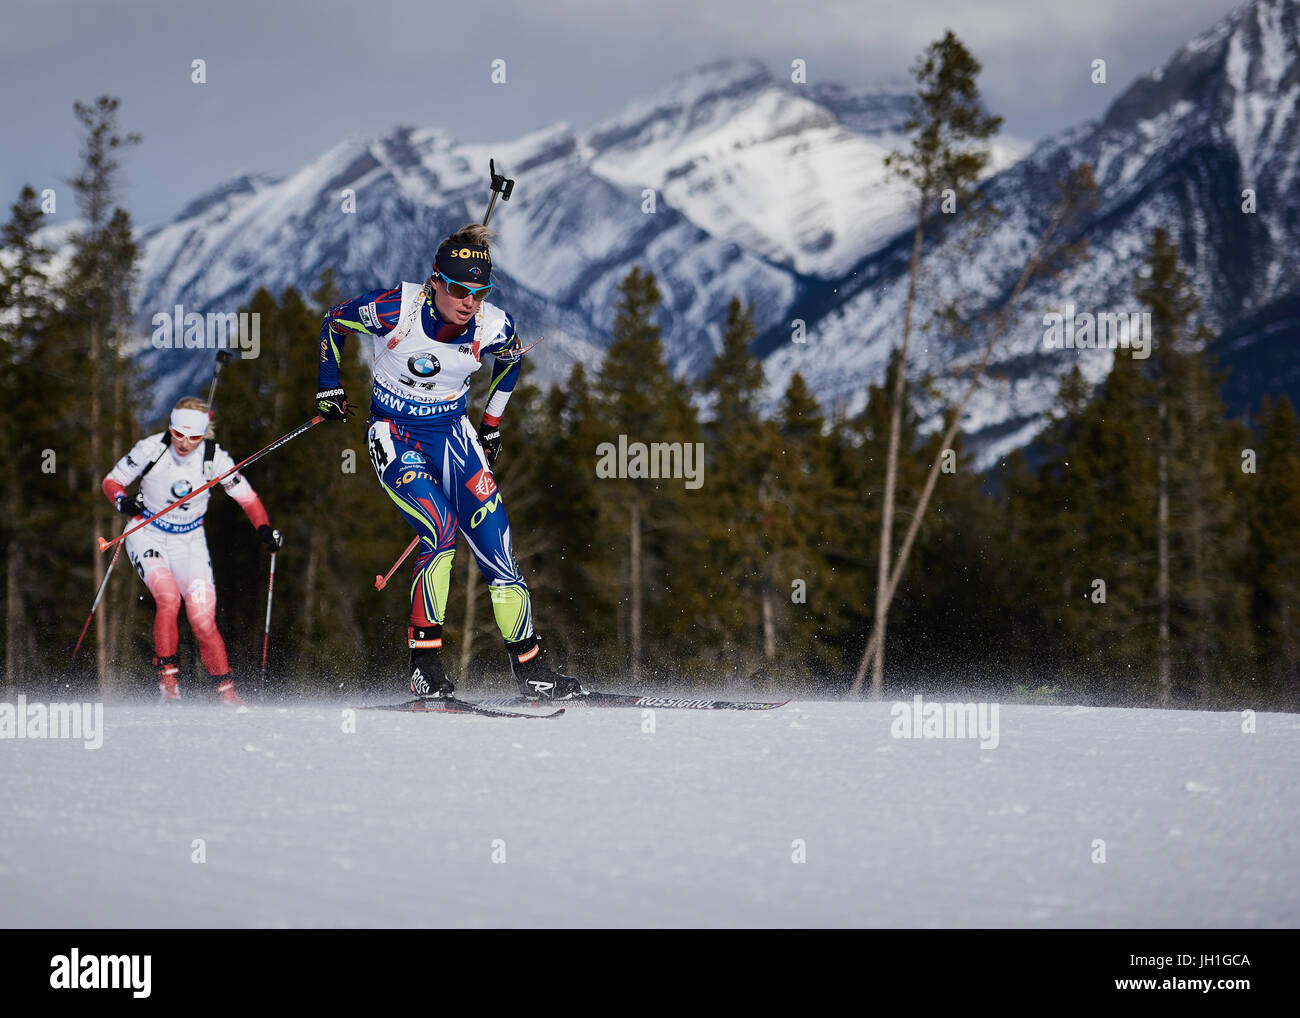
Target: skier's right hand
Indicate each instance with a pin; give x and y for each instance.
(332, 404)
(129, 505)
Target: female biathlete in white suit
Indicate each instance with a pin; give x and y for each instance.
(171, 553)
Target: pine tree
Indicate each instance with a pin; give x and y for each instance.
(1046, 511)
(1200, 600)
(25, 306)
(330, 627)
(948, 127)
(743, 497)
(807, 530)
(96, 302)
(1273, 516)
(568, 601)
(659, 565)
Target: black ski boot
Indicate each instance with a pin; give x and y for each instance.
(536, 680)
(428, 679)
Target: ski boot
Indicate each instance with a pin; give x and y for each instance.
(226, 691)
(428, 679)
(534, 676)
(168, 688)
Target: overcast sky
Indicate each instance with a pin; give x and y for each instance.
(287, 80)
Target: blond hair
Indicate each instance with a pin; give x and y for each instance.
(471, 234)
(194, 403)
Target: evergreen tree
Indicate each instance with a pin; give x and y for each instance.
(656, 554)
(1046, 512)
(808, 533)
(25, 305)
(743, 497)
(95, 302)
(330, 627)
(1200, 600)
(1273, 517)
(948, 129)
(1111, 629)
(568, 599)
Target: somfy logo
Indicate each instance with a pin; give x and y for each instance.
(102, 972)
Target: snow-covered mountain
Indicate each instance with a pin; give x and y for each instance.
(1179, 148)
(761, 188)
(775, 192)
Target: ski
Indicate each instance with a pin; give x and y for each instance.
(627, 700)
(451, 705)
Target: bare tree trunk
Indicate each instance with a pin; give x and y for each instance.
(311, 578)
(467, 639)
(634, 510)
(96, 424)
(1199, 526)
(881, 613)
(280, 399)
(1162, 557)
(13, 594)
(117, 621)
(876, 636)
(769, 623)
(1200, 602)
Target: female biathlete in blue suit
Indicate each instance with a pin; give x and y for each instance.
(428, 340)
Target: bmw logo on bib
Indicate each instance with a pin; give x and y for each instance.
(181, 488)
(424, 365)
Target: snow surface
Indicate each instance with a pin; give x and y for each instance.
(693, 824)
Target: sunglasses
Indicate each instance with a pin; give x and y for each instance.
(459, 291)
(177, 436)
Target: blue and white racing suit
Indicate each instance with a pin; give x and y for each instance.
(422, 445)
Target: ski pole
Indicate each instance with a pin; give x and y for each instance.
(500, 185)
(381, 581)
(266, 635)
(102, 587)
(105, 545)
(223, 356)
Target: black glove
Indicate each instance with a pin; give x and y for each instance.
(132, 505)
(333, 404)
(490, 436)
(273, 539)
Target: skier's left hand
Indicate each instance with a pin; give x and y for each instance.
(273, 539)
(490, 436)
